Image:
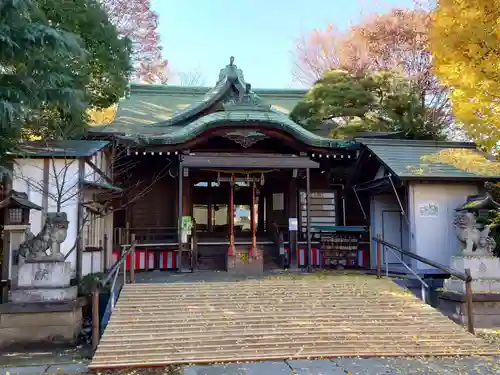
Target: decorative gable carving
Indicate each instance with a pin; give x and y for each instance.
(245, 138)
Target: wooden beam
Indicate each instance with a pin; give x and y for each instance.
(98, 170)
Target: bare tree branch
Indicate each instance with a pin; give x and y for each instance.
(189, 78)
(395, 40)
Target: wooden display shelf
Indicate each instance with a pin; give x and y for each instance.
(339, 250)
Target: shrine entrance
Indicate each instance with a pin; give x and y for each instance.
(228, 210)
(237, 166)
(241, 214)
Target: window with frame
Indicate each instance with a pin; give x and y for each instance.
(15, 215)
(323, 209)
(91, 230)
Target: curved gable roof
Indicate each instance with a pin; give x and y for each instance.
(231, 102)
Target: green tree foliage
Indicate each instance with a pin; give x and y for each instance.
(350, 104)
(104, 76)
(34, 68)
(57, 59)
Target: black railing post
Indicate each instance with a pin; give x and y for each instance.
(95, 319)
(468, 301)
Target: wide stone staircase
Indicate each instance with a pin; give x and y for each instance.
(273, 319)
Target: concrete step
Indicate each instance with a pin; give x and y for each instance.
(161, 324)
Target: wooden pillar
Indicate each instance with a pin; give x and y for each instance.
(186, 196)
(95, 319)
(179, 214)
(105, 247)
(261, 212)
(293, 213)
(45, 190)
(253, 250)
(80, 221)
(210, 207)
(127, 233)
(187, 210)
(308, 216)
(132, 259)
(231, 249)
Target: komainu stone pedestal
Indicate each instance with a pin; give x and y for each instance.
(485, 271)
(242, 263)
(44, 307)
(44, 281)
(40, 322)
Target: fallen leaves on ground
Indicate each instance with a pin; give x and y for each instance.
(169, 370)
(490, 335)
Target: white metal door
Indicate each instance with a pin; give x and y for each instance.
(392, 232)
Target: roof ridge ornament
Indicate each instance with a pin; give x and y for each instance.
(246, 101)
(231, 72)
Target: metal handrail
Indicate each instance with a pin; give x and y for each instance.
(116, 267)
(466, 277)
(111, 275)
(407, 267)
(459, 275)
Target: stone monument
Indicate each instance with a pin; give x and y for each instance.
(43, 275)
(476, 254)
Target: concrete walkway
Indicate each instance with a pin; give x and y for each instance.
(341, 366)
(369, 366)
(62, 368)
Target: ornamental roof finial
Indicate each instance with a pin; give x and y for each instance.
(231, 61)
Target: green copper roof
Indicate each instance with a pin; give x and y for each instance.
(429, 159)
(239, 117)
(151, 104)
(19, 199)
(146, 117)
(60, 149)
(104, 185)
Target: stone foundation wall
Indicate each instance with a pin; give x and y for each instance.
(33, 323)
(486, 309)
(242, 262)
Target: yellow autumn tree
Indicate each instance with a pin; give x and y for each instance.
(103, 116)
(465, 43)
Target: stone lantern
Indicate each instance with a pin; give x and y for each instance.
(16, 215)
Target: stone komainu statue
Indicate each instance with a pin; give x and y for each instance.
(52, 234)
(475, 238)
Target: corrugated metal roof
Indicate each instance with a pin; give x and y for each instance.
(60, 149)
(430, 159)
